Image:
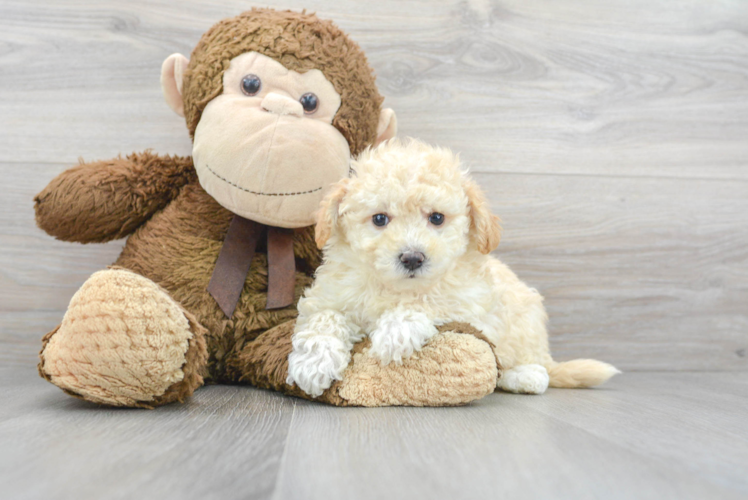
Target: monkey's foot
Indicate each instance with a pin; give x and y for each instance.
(454, 368)
(125, 342)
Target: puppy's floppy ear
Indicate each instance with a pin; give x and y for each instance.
(485, 226)
(327, 215)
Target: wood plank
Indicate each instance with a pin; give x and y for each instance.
(669, 416)
(227, 442)
(646, 435)
(613, 88)
(21, 334)
(513, 446)
(648, 274)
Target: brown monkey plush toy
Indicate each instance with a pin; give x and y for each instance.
(221, 245)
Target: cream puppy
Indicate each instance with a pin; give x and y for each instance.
(406, 243)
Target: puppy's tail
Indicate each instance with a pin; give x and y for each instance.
(580, 373)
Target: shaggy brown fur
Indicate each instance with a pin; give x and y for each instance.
(176, 229)
(300, 42)
(178, 249)
(264, 363)
(107, 200)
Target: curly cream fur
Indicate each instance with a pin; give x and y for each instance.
(363, 284)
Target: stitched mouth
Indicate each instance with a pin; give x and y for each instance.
(259, 192)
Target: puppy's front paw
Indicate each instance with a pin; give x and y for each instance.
(398, 334)
(524, 379)
(315, 362)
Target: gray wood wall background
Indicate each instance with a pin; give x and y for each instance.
(612, 138)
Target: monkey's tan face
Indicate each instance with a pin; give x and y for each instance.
(265, 148)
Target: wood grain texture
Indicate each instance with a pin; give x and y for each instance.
(649, 275)
(609, 136)
(642, 436)
(223, 444)
(614, 88)
(647, 440)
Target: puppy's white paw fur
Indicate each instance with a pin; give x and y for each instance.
(524, 379)
(316, 361)
(399, 333)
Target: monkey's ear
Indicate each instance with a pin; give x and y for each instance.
(327, 215)
(387, 128)
(172, 74)
(485, 226)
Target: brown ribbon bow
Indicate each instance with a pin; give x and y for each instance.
(227, 282)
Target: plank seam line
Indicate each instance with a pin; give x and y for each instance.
(281, 465)
(609, 176)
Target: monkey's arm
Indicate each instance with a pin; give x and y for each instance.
(106, 200)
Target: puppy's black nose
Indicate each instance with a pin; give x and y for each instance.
(412, 260)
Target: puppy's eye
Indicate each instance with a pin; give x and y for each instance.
(309, 102)
(251, 84)
(436, 219)
(380, 220)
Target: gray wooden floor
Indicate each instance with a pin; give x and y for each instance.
(646, 435)
(612, 139)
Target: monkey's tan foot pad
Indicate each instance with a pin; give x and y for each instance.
(452, 369)
(125, 342)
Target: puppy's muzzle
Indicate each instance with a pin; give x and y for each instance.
(412, 260)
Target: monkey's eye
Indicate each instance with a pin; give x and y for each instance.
(251, 84)
(380, 220)
(309, 102)
(436, 219)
